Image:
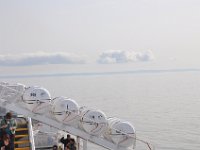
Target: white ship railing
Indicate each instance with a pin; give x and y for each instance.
(31, 136)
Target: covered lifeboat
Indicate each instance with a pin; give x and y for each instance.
(93, 121)
(37, 99)
(120, 132)
(65, 110)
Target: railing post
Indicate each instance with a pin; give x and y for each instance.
(31, 136)
(78, 142)
(85, 144)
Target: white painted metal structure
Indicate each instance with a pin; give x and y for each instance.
(23, 100)
(31, 136)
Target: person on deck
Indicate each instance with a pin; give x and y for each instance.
(4, 143)
(71, 145)
(65, 141)
(8, 126)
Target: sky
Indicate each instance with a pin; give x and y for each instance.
(102, 31)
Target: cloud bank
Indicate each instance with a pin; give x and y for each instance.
(119, 56)
(41, 58)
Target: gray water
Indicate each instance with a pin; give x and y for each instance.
(162, 106)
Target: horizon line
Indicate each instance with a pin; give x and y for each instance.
(142, 71)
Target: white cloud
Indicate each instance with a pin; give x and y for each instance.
(119, 56)
(40, 58)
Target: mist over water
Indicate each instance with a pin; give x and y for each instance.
(163, 107)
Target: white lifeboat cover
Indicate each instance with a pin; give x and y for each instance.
(93, 122)
(120, 132)
(65, 110)
(37, 99)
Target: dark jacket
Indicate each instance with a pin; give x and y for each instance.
(64, 141)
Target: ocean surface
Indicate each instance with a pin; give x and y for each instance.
(163, 105)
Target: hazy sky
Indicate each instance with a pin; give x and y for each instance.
(169, 28)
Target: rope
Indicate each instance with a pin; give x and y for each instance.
(37, 108)
(60, 113)
(67, 115)
(145, 142)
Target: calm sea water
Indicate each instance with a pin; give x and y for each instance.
(163, 106)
